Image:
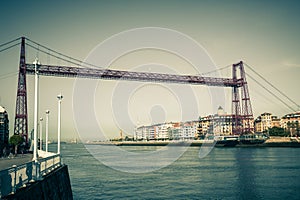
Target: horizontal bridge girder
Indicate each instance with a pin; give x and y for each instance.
(94, 73)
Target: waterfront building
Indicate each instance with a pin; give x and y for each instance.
(146, 132)
(218, 124)
(195, 125)
(263, 122)
(222, 125)
(175, 131)
(275, 121)
(168, 131)
(266, 119)
(290, 122)
(189, 130)
(4, 129)
(258, 125)
(141, 133)
(162, 131)
(151, 133)
(204, 124)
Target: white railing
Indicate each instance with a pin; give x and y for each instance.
(49, 164)
(17, 177)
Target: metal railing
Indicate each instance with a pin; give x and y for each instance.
(49, 164)
(17, 177)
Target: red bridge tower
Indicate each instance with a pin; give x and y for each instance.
(21, 118)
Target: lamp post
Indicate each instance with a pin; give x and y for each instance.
(59, 97)
(47, 127)
(36, 98)
(41, 134)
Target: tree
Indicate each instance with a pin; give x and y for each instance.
(15, 140)
(293, 128)
(277, 131)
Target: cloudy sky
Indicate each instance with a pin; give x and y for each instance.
(264, 34)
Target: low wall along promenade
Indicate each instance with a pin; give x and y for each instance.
(46, 179)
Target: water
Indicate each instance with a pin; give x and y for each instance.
(226, 173)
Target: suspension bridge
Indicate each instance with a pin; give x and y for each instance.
(242, 114)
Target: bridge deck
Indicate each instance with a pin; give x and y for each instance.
(94, 73)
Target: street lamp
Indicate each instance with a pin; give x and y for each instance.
(36, 99)
(47, 127)
(41, 134)
(59, 97)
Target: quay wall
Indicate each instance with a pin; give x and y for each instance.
(271, 142)
(55, 185)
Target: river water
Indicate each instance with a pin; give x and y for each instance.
(225, 173)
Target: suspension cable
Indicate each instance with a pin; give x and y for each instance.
(55, 56)
(274, 95)
(1, 45)
(219, 69)
(9, 47)
(272, 86)
(63, 55)
(8, 75)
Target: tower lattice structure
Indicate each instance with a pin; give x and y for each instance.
(21, 117)
(242, 115)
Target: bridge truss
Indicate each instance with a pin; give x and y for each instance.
(241, 105)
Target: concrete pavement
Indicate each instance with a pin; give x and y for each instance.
(17, 160)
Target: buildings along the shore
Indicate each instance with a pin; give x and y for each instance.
(4, 129)
(289, 122)
(220, 123)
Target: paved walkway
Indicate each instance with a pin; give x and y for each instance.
(18, 160)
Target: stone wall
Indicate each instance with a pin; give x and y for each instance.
(55, 185)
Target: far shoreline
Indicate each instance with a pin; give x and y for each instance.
(271, 142)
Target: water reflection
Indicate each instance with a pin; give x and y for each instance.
(246, 174)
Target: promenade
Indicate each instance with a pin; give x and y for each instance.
(17, 160)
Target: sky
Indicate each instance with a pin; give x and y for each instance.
(263, 34)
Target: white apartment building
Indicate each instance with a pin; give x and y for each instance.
(163, 131)
(189, 130)
(166, 131)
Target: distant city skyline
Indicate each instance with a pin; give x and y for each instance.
(264, 34)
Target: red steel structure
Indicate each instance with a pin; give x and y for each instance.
(241, 113)
(21, 118)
